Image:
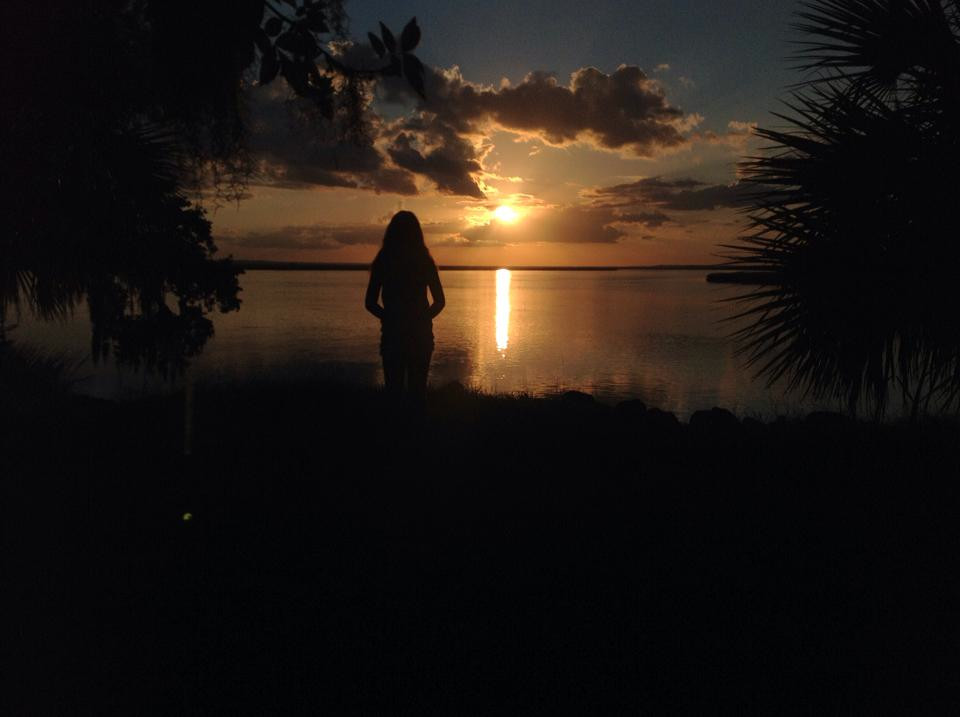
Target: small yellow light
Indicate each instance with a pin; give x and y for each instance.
(187, 516)
(506, 214)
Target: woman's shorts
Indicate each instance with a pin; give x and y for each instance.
(410, 339)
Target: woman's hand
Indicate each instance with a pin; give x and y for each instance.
(373, 293)
(436, 291)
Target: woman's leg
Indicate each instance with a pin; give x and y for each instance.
(394, 369)
(418, 368)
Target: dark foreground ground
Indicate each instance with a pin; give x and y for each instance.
(499, 557)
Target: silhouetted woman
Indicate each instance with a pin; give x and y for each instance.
(403, 269)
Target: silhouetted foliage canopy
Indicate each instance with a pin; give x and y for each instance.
(116, 111)
(849, 212)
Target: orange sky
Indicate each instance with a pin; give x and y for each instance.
(599, 168)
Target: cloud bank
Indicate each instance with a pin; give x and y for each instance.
(677, 194)
(625, 110)
(444, 140)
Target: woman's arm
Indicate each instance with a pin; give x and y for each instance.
(436, 291)
(373, 292)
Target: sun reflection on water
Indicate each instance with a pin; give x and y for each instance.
(503, 308)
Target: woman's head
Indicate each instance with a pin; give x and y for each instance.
(404, 235)
(403, 244)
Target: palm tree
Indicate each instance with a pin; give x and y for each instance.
(849, 211)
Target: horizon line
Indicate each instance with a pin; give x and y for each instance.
(268, 264)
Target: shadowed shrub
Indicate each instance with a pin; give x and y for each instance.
(29, 376)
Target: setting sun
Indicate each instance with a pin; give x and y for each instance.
(506, 214)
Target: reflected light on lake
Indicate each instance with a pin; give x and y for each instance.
(503, 308)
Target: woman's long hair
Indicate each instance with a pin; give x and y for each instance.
(404, 253)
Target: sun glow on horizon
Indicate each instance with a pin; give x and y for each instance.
(506, 214)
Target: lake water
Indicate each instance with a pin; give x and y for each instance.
(653, 335)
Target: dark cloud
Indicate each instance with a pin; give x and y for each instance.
(442, 140)
(623, 110)
(647, 219)
(300, 175)
(390, 180)
(295, 151)
(435, 151)
(679, 194)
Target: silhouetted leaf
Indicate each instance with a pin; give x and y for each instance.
(295, 73)
(410, 37)
(388, 38)
(262, 41)
(310, 47)
(293, 42)
(377, 44)
(269, 66)
(317, 23)
(273, 27)
(413, 70)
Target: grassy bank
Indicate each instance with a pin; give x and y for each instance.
(496, 556)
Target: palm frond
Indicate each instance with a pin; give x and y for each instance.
(845, 208)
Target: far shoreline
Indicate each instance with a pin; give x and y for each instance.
(263, 265)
